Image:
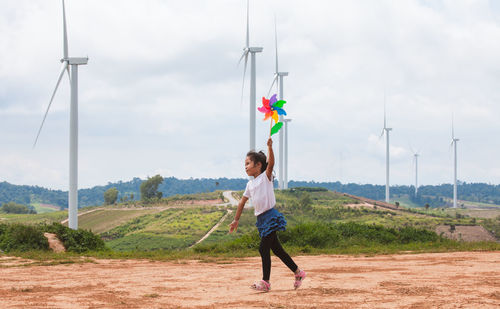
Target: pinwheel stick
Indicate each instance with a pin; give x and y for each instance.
(271, 127)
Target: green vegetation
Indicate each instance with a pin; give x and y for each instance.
(21, 237)
(104, 219)
(110, 196)
(170, 229)
(49, 217)
(149, 189)
(492, 226)
(319, 221)
(43, 208)
(76, 240)
(14, 208)
(309, 236)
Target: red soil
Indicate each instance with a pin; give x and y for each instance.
(432, 280)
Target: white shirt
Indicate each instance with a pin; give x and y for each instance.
(261, 192)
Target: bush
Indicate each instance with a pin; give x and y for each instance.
(310, 234)
(329, 235)
(411, 234)
(21, 237)
(76, 240)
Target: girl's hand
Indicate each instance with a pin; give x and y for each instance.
(233, 226)
(270, 142)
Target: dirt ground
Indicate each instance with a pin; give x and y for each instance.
(434, 280)
(465, 233)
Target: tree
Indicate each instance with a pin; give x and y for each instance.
(110, 196)
(14, 208)
(149, 188)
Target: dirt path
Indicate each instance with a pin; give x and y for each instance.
(229, 196)
(439, 280)
(54, 243)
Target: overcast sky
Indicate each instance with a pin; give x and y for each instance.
(161, 91)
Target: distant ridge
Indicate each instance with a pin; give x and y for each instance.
(434, 195)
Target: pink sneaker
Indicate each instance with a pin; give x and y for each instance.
(262, 286)
(299, 278)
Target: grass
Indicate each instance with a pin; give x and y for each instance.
(103, 220)
(44, 208)
(195, 196)
(169, 229)
(404, 201)
(47, 258)
(473, 204)
(49, 217)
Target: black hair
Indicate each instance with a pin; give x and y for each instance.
(257, 157)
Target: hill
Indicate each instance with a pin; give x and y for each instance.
(179, 221)
(470, 194)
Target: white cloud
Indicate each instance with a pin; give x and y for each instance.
(161, 91)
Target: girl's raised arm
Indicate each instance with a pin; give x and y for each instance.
(270, 159)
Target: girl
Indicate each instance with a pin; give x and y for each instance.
(269, 220)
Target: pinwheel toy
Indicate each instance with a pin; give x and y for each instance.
(272, 108)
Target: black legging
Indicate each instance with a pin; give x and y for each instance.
(272, 242)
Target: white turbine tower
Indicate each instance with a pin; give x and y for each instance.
(278, 75)
(285, 184)
(386, 130)
(454, 144)
(252, 51)
(415, 159)
(73, 131)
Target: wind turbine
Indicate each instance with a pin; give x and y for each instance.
(286, 121)
(252, 51)
(386, 130)
(68, 62)
(454, 144)
(278, 76)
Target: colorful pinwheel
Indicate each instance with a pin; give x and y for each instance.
(272, 108)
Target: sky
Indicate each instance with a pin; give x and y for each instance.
(161, 93)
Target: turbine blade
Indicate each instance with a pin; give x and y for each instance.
(65, 34)
(452, 127)
(276, 42)
(244, 73)
(245, 52)
(64, 66)
(275, 79)
(248, 27)
(69, 75)
(385, 123)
